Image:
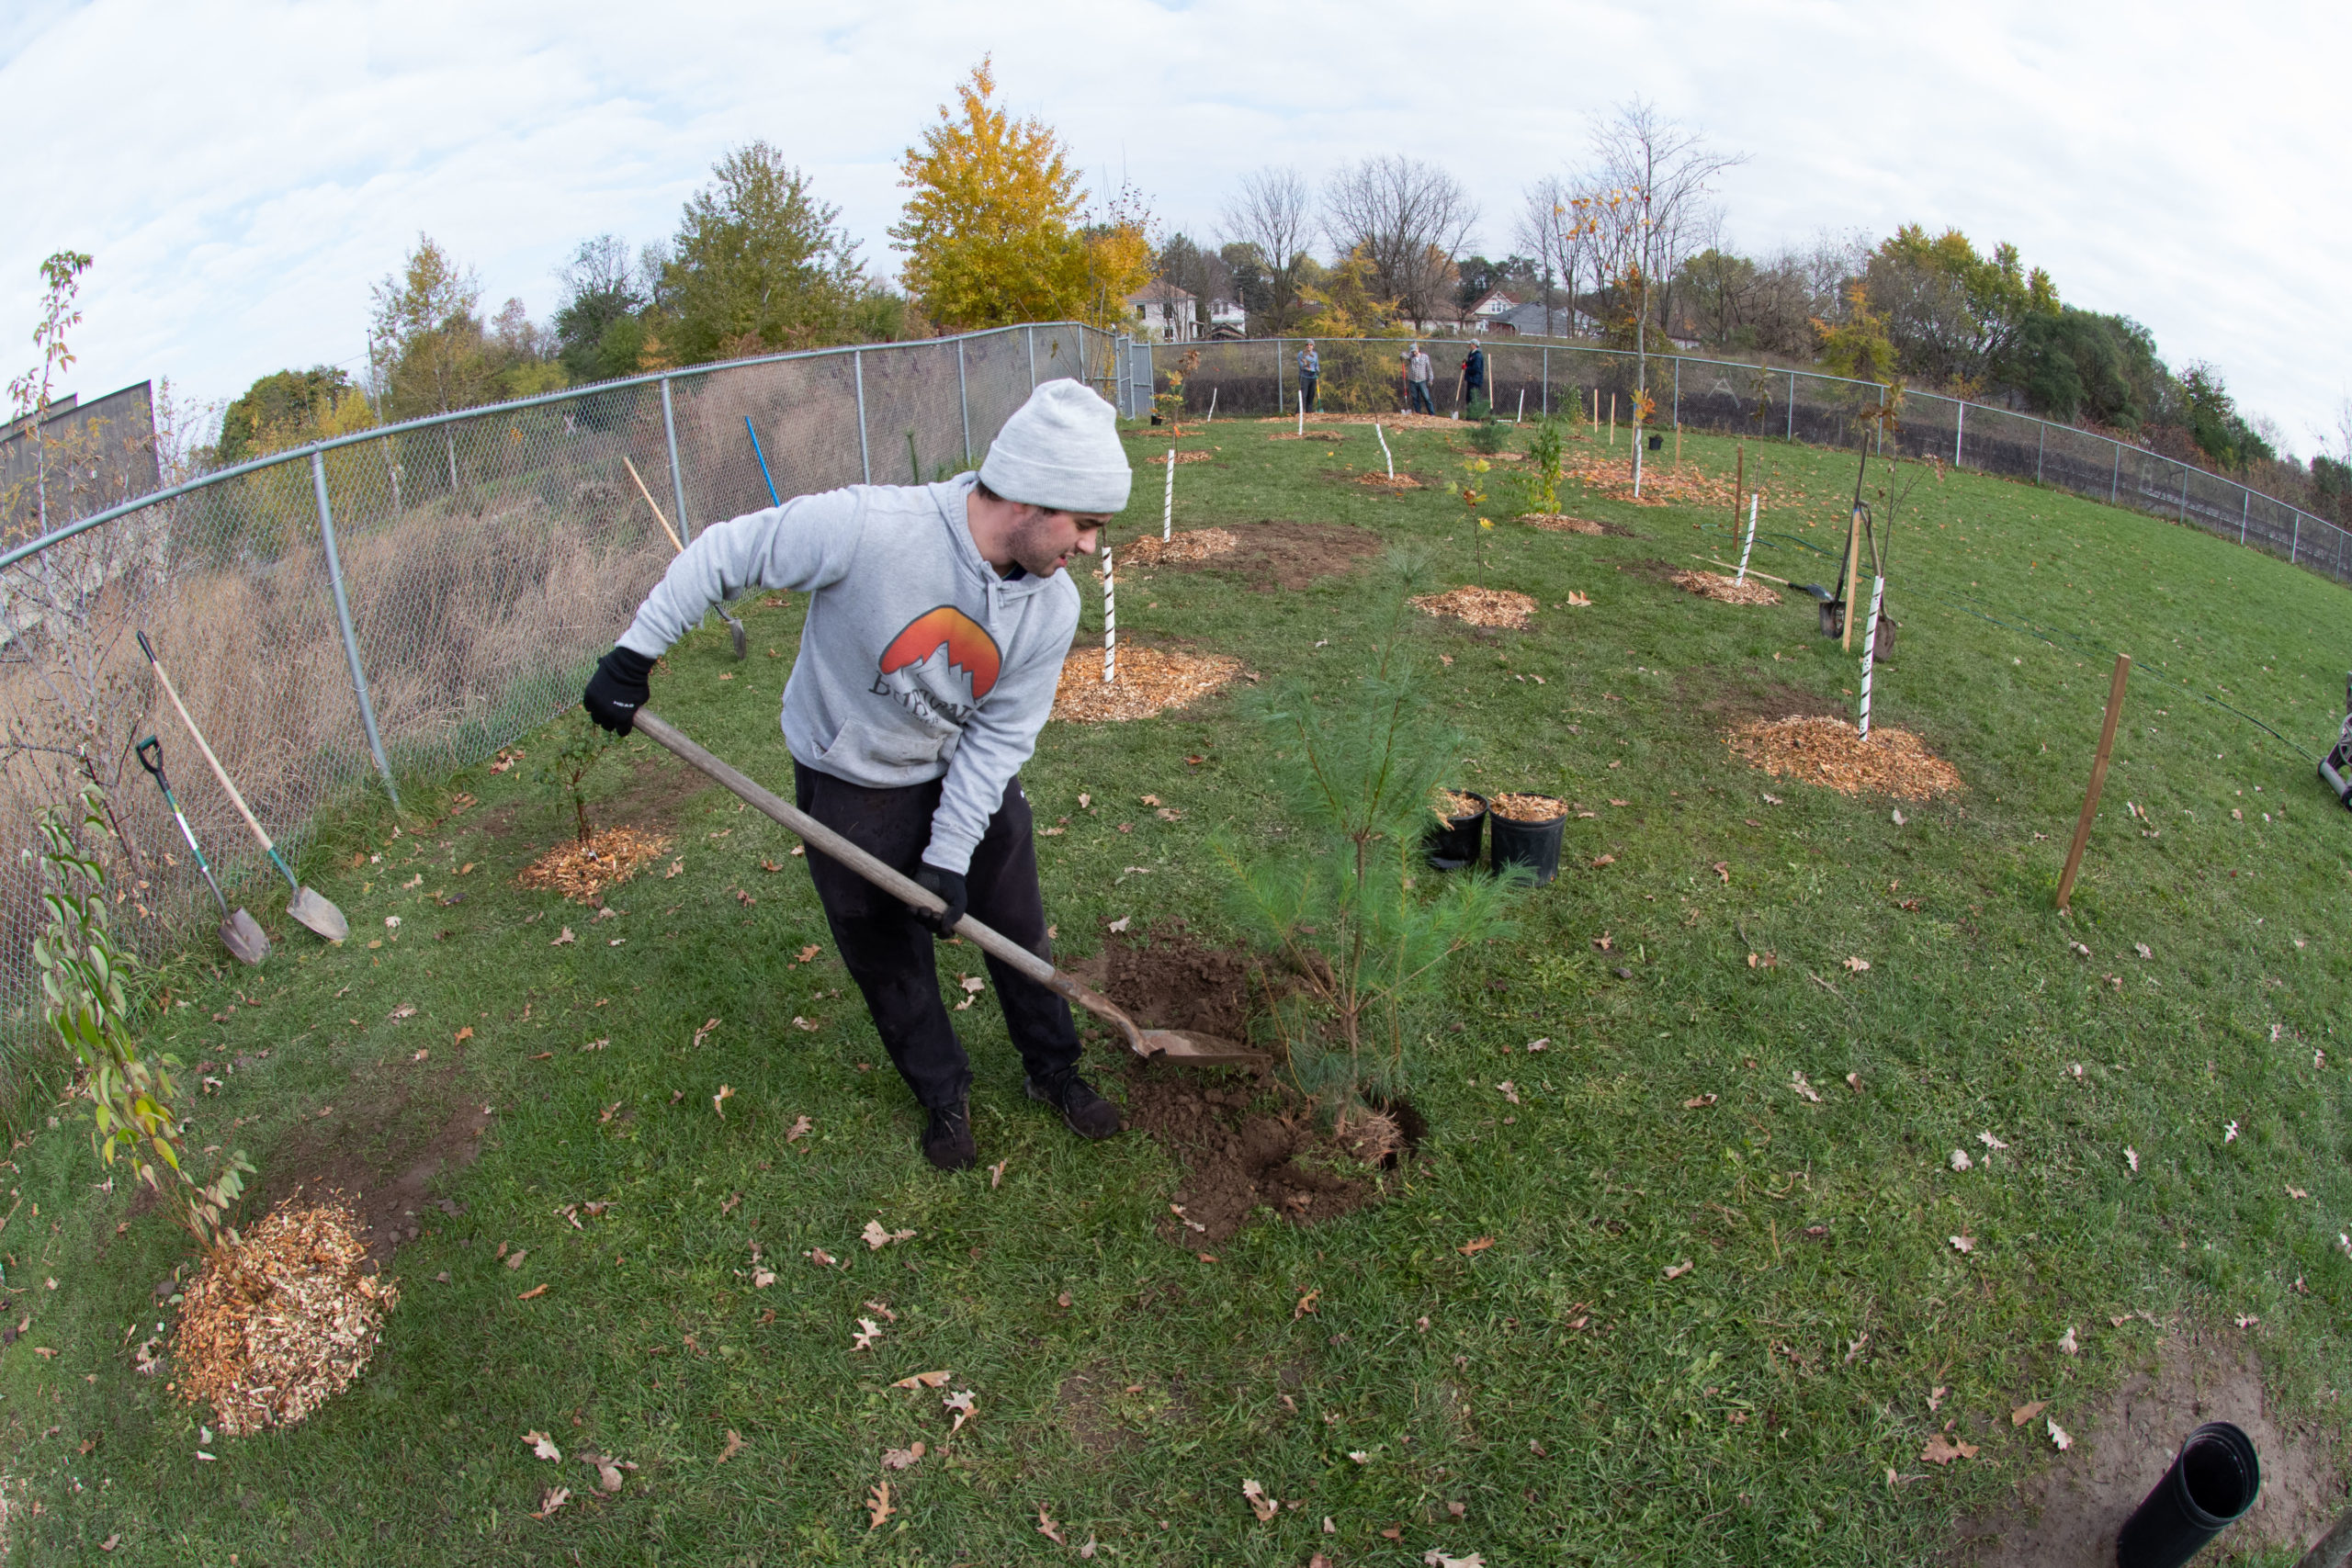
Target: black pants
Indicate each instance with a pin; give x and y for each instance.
(891, 957)
(1306, 389)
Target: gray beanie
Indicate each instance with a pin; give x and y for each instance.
(1060, 450)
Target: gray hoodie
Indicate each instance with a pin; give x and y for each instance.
(916, 662)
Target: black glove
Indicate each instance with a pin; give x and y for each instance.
(949, 886)
(618, 689)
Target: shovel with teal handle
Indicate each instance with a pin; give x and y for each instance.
(240, 932)
(306, 906)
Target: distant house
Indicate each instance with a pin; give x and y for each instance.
(1227, 319)
(1488, 309)
(1164, 313)
(1530, 321)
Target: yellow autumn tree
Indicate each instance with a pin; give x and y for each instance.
(997, 230)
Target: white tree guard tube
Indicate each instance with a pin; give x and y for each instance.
(1638, 459)
(1212, 415)
(1869, 645)
(1384, 450)
(1302, 413)
(1522, 415)
(1751, 538)
(1110, 617)
(1168, 508)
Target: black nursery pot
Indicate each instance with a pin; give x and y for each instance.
(1455, 842)
(1658, 443)
(1535, 845)
(2213, 1481)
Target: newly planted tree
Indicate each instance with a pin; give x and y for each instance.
(563, 772)
(1364, 941)
(1541, 475)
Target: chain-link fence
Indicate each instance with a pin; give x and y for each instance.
(406, 600)
(1260, 375)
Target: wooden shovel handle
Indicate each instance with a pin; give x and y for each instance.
(217, 771)
(820, 837)
(675, 543)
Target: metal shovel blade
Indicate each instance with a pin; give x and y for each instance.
(1198, 1050)
(245, 938)
(741, 638)
(316, 912)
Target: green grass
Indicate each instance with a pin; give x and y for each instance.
(1612, 1444)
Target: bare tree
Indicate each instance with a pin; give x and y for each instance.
(1409, 218)
(1664, 170)
(1274, 214)
(1541, 230)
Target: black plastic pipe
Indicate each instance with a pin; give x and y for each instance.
(2213, 1481)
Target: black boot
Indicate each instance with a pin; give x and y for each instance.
(947, 1139)
(1084, 1111)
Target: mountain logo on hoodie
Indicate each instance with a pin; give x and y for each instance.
(911, 670)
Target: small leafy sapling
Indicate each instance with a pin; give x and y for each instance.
(1541, 475)
(86, 981)
(563, 772)
(1349, 915)
(1472, 494)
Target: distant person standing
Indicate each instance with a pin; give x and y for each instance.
(1310, 370)
(1474, 375)
(1417, 381)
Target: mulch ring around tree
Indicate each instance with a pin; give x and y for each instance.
(1725, 590)
(1145, 680)
(279, 1321)
(1479, 607)
(1245, 1136)
(1193, 455)
(582, 872)
(1384, 481)
(1829, 752)
(1181, 550)
(1561, 523)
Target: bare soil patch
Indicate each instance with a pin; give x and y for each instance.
(1479, 607)
(1724, 590)
(1727, 700)
(2069, 1513)
(1245, 1138)
(1148, 680)
(1276, 554)
(1311, 436)
(377, 1151)
(582, 872)
(1831, 753)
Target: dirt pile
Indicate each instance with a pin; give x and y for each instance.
(1828, 752)
(1148, 681)
(1724, 590)
(1182, 549)
(1480, 607)
(1381, 480)
(1194, 456)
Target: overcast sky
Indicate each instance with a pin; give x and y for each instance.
(242, 172)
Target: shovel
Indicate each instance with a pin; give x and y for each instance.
(734, 626)
(1174, 1045)
(306, 906)
(240, 932)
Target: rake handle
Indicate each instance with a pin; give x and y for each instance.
(217, 771)
(820, 837)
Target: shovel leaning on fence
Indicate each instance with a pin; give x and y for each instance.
(240, 932)
(306, 906)
(734, 628)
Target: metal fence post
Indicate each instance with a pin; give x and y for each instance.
(1032, 333)
(1959, 429)
(2295, 543)
(1792, 406)
(1547, 380)
(1880, 441)
(342, 616)
(857, 371)
(1278, 375)
(2184, 492)
(2117, 476)
(963, 402)
(1678, 399)
(677, 478)
(2246, 513)
(2041, 444)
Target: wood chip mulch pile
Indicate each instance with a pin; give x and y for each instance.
(1394, 420)
(280, 1322)
(1480, 607)
(1452, 805)
(1827, 753)
(581, 872)
(1194, 456)
(1560, 522)
(1724, 590)
(1150, 681)
(1520, 807)
(1609, 472)
(1192, 545)
(1312, 434)
(1381, 480)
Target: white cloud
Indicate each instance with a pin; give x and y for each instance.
(243, 172)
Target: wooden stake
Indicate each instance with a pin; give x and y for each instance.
(1853, 574)
(2098, 780)
(1612, 418)
(1740, 484)
(1678, 443)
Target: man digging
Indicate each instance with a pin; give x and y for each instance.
(938, 619)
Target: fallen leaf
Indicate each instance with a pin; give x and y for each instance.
(877, 1239)
(463, 1035)
(901, 1458)
(1541, 1044)
(1676, 1271)
(2230, 1133)
(1121, 923)
(1990, 1142)
(1936, 1397)
(2293, 1191)
(2066, 1345)
(2142, 949)
(798, 1130)
(924, 1379)
(2247, 1320)
(972, 983)
(1959, 1160)
(996, 1172)
(1480, 1245)
(1698, 1102)
(555, 1497)
(820, 1257)
(1796, 1082)
(533, 1293)
(514, 1258)
(1940, 1451)
(1605, 860)
(734, 1446)
(762, 1278)
(964, 1406)
(809, 1024)
(1854, 1082)
(1963, 1243)
(1046, 1528)
(1858, 964)
(2025, 1412)
(718, 1101)
(566, 937)
(878, 1504)
(806, 953)
(700, 1033)
(1605, 942)
(543, 1447)
(866, 1333)
(1305, 1305)
(1265, 1507)
(2058, 1436)
(108, 1544)
(2132, 1157)
(1436, 1559)
(406, 1009)
(1509, 1090)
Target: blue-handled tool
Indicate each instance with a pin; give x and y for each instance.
(240, 932)
(764, 460)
